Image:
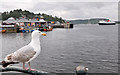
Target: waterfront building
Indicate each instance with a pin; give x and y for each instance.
(24, 24)
(9, 25)
(10, 20)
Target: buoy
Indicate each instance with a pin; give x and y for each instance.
(81, 70)
(3, 31)
(45, 29)
(21, 28)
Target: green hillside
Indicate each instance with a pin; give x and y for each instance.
(29, 15)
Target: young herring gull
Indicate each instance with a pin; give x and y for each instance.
(27, 53)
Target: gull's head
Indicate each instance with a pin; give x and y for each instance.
(37, 33)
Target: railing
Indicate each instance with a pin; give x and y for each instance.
(80, 70)
(18, 69)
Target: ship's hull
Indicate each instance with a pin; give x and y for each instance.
(106, 23)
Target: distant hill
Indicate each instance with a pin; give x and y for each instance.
(29, 15)
(87, 21)
(0, 16)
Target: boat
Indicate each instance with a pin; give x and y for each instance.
(23, 31)
(103, 22)
(50, 29)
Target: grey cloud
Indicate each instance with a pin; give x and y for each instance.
(73, 10)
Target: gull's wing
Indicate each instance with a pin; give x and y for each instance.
(24, 54)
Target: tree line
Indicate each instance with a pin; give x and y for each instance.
(29, 15)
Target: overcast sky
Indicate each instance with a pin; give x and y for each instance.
(67, 9)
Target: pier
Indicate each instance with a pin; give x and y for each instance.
(63, 25)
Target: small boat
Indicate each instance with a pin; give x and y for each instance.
(23, 31)
(41, 29)
(106, 22)
(50, 29)
(32, 30)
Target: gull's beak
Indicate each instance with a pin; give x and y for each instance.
(44, 34)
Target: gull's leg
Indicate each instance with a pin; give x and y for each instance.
(24, 65)
(30, 67)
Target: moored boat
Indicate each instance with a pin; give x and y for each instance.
(50, 29)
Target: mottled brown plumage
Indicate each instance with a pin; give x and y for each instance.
(5, 64)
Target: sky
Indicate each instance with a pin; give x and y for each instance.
(67, 9)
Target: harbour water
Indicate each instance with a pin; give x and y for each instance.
(93, 46)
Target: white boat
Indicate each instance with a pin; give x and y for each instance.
(103, 22)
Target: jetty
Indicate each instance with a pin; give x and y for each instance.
(64, 25)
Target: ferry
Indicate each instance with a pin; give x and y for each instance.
(103, 22)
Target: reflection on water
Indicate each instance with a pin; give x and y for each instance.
(64, 49)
